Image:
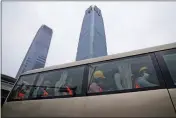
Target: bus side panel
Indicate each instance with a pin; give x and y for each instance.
(45, 108)
(153, 103)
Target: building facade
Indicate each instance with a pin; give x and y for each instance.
(92, 41)
(7, 83)
(38, 51)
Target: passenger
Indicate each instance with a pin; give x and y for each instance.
(134, 83)
(97, 83)
(47, 89)
(70, 92)
(20, 91)
(68, 86)
(21, 95)
(27, 91)
(16, 92)
(59, 84)
(44, 92)
(143, 80)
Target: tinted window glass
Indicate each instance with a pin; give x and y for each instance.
(137, 72)
(170, 60)
(59, 83)
(23, 87)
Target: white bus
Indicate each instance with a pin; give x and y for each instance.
(140, 83)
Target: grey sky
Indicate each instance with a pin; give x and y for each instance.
(128, 26)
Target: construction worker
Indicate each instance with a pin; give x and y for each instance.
(97, 83)
(43, 91)
(142, 81)
(69, 90)
(21, 95)
(20, 91)
(60, 83)
(68, 86)
(47, 90)
(63, 86)
(66, 90)
(27, 91)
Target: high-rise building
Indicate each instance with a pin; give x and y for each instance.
(38, 51)
(92, 41)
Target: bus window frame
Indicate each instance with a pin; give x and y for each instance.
(156, 68)
(85, 79)
(163, 66)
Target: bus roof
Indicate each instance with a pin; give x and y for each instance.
(104, 58)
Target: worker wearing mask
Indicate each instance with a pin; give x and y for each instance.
(20, 91)
(142, 81)
(27, 91)
(97, 82)
(21, 94)
(68, 86)
(44, 91)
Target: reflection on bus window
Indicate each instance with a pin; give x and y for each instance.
(170, 60)
(122, 74)
(59, 83)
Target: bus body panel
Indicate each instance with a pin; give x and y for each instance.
(152, 103)
(173, 96)
(45, 108)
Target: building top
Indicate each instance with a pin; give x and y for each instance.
(93, 8)
(46, 28)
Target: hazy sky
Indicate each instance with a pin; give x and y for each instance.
(128, 26)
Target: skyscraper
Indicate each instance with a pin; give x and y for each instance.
(38, 51)
(92, 41)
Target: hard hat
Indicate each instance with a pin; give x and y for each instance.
(99, 74)
(143, 68)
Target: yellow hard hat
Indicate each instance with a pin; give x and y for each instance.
(143, 68)
(99, 74)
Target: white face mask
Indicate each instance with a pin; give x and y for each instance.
(146, 75)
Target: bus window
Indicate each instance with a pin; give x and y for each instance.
(59, 83)
(129, 73)
(170, 60)
(22, 88)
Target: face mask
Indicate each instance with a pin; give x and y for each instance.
(97, 80)
(146, 75)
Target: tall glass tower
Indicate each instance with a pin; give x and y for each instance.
(92, 41)
(38, 51)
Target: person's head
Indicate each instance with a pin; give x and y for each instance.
(144, 71)
(98, 74)
(69, 81)
(99, 77)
